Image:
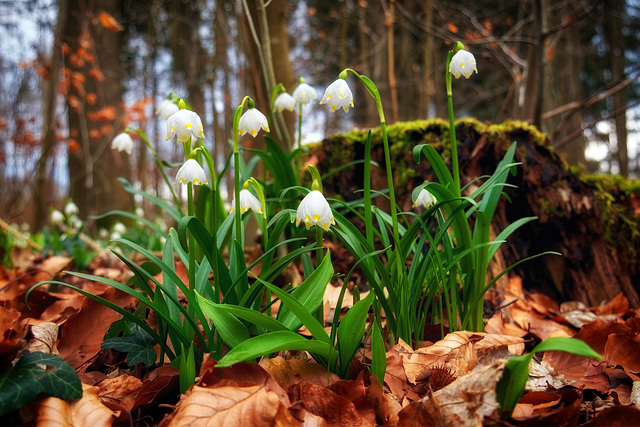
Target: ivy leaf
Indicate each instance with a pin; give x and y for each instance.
(138, 345)
(27, 379)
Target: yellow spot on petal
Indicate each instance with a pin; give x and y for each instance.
(328, 96)
(200, 127)
(326, 226)
(316, 217)
(184, 137)
(168, 136)
(340, 95)
(333, 108)
(254, 132)
(173, 129)
(462, 65)
(188, 125)
(201, 134)
(267, 129)
(195, 181)
(259, 210)
(307, 218)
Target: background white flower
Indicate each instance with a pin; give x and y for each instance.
(122, 142)
(247, 201)
(315, 210)
(284, 101)
(463, 62)
(304, 94)
(71, 209)
(166, 109)
(183, 125)
(56, 216)
(252, 121)
(338, 95)
(425, 199)
(191, 171)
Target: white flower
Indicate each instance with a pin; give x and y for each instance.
(284, 101)
(139, 211)
(166, 109)
(71, 209)
(247, 201)
(56, 216)
(463, 62)
(183, 125)
(304, 94)
(315, 210)
(120, 228)
(122, 142)
(252, 121)
(76, 222)
(425, 199)
(191, 171)
(115, 235)
(103, 233)
(338, 95)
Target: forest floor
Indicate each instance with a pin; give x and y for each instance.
(449, 382)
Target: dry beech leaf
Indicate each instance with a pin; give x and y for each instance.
(122, 390)
(458, 351)
(109, 22)
(293, 371)
(87, 411)
(45, 336)
(233, 404)
(54, 264)
(465, 402)
(534, 404)
(335, 409)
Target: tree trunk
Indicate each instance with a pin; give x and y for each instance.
(93, 166)
(613, 32)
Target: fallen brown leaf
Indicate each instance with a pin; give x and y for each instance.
(87, 411)
(320, 401)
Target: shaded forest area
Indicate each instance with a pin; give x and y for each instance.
(86, 70)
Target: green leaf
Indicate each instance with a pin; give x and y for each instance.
(272, 342)
(138, 347)
(378, 352)
(350, 332)
(27, 379)
(253, 316)
(514, 377)
(231, 330)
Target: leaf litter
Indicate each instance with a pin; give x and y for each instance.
(446, 382)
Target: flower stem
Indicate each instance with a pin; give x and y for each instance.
(452, 129)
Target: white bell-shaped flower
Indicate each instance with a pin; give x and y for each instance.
(119, 227)
(284, 101)
(71, 209)
(252, 121)
(247, 201)
(166, 109)
(122, 142)
(315, 210)
(191, 171)
(463, 63)
(425, 199)
(56, 216)
(304, 94)
(338, 95)
(184, 124)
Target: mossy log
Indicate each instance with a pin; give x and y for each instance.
(594, 222)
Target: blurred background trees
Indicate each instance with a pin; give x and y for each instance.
(75, 73)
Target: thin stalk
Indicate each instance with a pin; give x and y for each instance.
(319, 256)
(299, 142)
(452, 129)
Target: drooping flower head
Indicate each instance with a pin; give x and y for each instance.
(303, 94)
(56, 216)
(191, 171)
(166, 109)
(252, 121)
(184, 124)
(122, 142)
(338, 95)
(247, 201)
(425, 199)
(71, 209)
(284, 101)
(315, 210)
(463, 63)
(120, 228)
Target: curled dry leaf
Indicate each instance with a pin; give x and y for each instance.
(293, 371)
(87, 411)
(45, 336)
(458, 351)
(335, 409)
(231, 403)
(122, 390)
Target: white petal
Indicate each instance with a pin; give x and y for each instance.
(463, 63)
(252, 121)
(338, 95)
(166, 109)
(425, 199)
(284, 101)
(315, 210)
(122, 142)
(191, 171)
(247, 201)
(304, 94)
(183, 125)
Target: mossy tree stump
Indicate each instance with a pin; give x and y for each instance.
(590, 220)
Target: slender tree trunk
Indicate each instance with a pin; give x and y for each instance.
(389, 22)
(49, 122)
(613, 32)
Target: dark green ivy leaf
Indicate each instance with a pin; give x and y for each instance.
(27, 379)
(138, 345)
